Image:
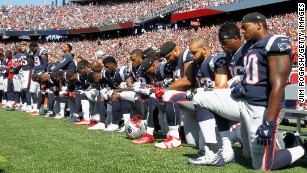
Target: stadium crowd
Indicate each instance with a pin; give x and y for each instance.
(120, 47)
(23, 18)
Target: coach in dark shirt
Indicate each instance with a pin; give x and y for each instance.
(67, 62)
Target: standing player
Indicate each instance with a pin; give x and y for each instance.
(8, 79)
(2, 71)
(26, 73)
(67, 62)
(257, 98)
(40, 63)
(16, 62)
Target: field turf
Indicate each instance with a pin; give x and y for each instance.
(39, 144)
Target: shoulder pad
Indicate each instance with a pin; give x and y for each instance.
(218, 60)
(278, 44)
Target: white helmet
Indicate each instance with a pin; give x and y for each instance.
(135, 128)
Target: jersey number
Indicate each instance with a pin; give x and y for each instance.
(251, 69)
(37, 61)
(24, 60)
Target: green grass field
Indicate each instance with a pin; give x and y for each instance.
(38, 144)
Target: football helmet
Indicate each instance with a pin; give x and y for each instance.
(10, 106)
(287, 139)
(135, 128)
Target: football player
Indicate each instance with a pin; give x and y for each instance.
(40, 63)
(157, 72)
(138, 100)
(2, 72)
(120, 79)
(16, 62)
(181, 62)
(26, 72)
(67, 62)
(8, 79)
(257, 98)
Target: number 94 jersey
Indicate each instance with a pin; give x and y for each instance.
(256, 80)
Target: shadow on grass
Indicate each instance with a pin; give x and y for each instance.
(1, 171)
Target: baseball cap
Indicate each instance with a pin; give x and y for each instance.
(254, 17)
(167, 48)
(147, 63)
(149, 52)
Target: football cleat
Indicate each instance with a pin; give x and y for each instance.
(59, 116)
(49, 114)
(208, 159)
(28, 109)
(92, 123)
(170, 142)
(72, 120)
(229, 157)
(34, 113)
(82, 122)
(145, 139)
(111, 128)
(98, 126)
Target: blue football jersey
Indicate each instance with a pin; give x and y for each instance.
(81, 83)
(235, 61)
(163, 70)
(184, 57)
(27, 61)
(256, 80)
(15, 60)
(139, 75)
(39, 64)
(205, 74)
(120, 75)
(4, 67)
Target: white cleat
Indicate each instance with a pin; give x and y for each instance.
(59, 116)
(111, 128)
(98, 126)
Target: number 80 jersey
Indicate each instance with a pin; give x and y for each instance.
(256, 80)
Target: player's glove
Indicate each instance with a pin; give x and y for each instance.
(122, 85)
(189, 94)
(167, 82)
(237, 90)
(265, 132)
